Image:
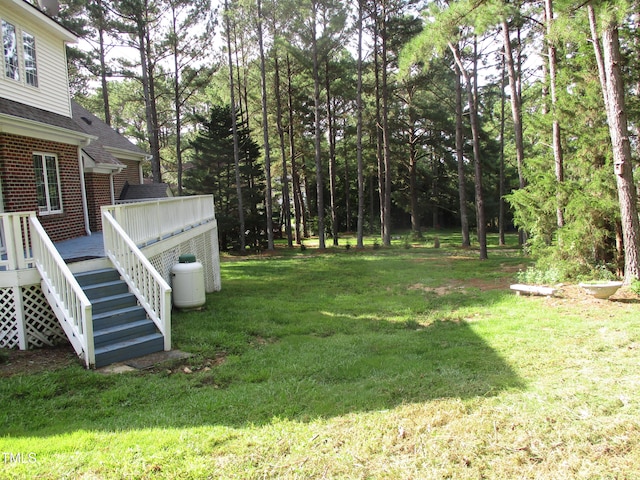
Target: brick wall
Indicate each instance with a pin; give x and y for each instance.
(18, 183)
(98, 194)
(130, 174)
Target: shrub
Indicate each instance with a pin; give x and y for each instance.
(539, 276)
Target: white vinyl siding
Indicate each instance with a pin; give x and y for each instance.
(48, 86)
(48, 189)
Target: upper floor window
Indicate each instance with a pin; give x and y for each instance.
(10, 42)
(29, 49)
(47, 183)
(19, 47)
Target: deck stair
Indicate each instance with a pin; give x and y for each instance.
(121, 328)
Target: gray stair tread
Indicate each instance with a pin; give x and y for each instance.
(126, 331)
(128, 343)
(95, 272)
(110, 283)
(113, 297)
(119, 311)
(83, 277)
(123, 327)
(101, 290)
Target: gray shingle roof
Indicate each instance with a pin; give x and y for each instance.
(93, 125)
(146, 191)
(20, 110)
(83, 121)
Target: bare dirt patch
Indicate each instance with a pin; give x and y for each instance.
(445, 290)
(19, 362)
(459, 285)
(574, 296)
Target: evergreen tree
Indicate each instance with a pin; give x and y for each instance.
(211, 171)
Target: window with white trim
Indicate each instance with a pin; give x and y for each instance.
(30, 67)
(19, 54)
(10, 44)
(48, 189)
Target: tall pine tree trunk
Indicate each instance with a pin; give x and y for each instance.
(413, 185)
(332, 157)
(347, 181)
(475, 132)
(558, 155)
(516, 103)
(177, 104)
(379, 135)
(609, 66)
(265, 134)
(623, 166)
(361, 199)
(286, 199)
(386, 140)
(149, 101)
(413, 138)
(234, 127)
(318, 133)
(298, 203)
(501, 183)
(103, 62)
(462, 187)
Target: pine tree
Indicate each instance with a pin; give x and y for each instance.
(211, 171)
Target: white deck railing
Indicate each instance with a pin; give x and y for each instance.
(68, 301)
(151, 290)
(149, 222)
(16, 252)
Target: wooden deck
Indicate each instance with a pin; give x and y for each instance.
(82, 248)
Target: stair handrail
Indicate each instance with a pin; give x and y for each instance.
(144, 281)
(65, 295)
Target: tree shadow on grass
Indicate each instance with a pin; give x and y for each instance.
(299, 377)
(302, 340)
(338, 374)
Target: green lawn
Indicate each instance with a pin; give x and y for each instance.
(383, 363)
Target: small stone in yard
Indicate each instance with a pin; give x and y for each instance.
(187, 370)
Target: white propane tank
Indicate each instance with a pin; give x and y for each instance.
(187, 282)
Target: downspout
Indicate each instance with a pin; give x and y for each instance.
(1, 197)
(111, 188)
(140, 173)
(83, 188)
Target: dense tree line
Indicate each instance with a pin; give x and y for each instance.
(384, 115)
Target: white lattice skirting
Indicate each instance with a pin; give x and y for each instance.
(205, 251)
(26, 319)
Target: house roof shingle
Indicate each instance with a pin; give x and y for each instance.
(84, 122)
(109, 138)
(132, 192)
(20, 110)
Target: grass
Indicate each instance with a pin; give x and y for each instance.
(389, 363)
